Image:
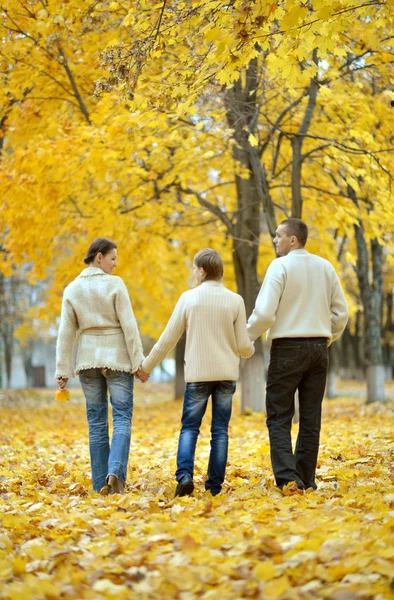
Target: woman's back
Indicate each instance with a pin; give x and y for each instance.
(93, 298)
(98, 306)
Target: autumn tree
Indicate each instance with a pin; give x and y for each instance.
(251, 58)
(17, 297)
(220, 122)
(53, 207)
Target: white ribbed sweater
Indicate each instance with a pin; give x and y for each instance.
(215, 321)
(301, 296)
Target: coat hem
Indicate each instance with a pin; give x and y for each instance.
(106, 365)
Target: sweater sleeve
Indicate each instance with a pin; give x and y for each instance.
(245, 347)
(168, 339)
(65, 340)
(125, 314)
(267, 302)
(339, 308)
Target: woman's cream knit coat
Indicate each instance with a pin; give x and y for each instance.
(97, 306)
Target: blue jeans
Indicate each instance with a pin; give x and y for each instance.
(106, 460)
(194, 407)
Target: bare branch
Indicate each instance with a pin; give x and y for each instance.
(70, 76)
(215, 210)
(160, 20)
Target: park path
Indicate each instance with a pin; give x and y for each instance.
(59, 540)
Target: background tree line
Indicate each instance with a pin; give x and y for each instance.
(214, 122)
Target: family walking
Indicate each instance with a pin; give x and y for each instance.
(302, 308)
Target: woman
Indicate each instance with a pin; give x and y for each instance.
(97, 305)
(216, 337)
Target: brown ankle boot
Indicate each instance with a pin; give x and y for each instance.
(116, 485)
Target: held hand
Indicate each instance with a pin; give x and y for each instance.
(142, 376)
(62, 382)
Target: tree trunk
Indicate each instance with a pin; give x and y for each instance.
(179, 388)
(372, 300)
(331, 386)
(27, 356)
(252, 373)
(297, 143)
(357, 342)
(375, 383)
(8, 352)
(252, 198)
(253, 381)
(388, 330)
(296, 418)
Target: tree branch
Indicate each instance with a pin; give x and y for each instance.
(70, 76)
(215, 210)
(160, 19)
(297, 142)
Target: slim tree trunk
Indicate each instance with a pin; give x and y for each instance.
(388, 335)
(252, 373)
(179, 388)
(1, 364)
(331, 386)
(357, 341)
(297, 143)
(372, 299)
(27, 356)
(8, 354)
(253, 199)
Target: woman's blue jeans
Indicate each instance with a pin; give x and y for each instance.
(194, 407)
(105, 459)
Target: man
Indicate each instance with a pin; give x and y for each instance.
(302, 305)
(215, 320)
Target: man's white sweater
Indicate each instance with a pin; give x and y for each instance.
(301, 296)
(216, 337)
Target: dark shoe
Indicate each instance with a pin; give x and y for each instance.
(311, 486)
(185, 486)
(214, 492)
(288, 489)
(116, 485)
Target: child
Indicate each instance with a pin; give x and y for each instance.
(216, 337)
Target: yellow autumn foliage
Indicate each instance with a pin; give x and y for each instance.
(75, 165)
(58, 539)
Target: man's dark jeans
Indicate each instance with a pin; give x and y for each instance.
(194, 407)
(296, 363)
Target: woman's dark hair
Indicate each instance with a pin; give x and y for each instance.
(211, 262)
(99, 245)
(297, 228)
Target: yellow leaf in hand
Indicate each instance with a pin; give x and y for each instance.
(62, 395)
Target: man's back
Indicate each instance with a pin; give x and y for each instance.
(302, 305)
(300, 293)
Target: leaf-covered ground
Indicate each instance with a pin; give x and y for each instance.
(60, 540)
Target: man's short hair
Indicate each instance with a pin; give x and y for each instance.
(211, 262)
(297, 228)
